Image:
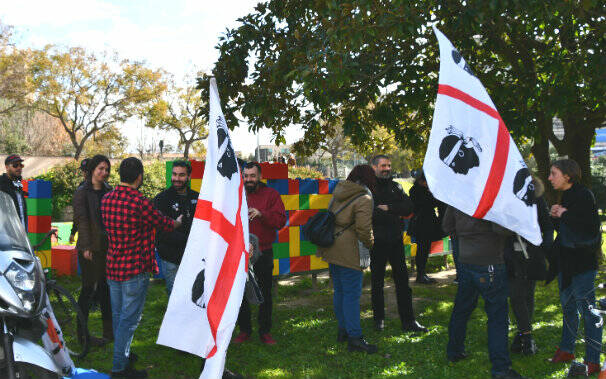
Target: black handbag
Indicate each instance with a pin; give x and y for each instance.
(320, 228)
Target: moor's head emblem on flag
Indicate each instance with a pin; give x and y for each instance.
(227, 165)
(197, 289)
(458, 59)
(458, 152)
(523, 187)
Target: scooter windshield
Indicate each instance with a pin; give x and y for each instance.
(12, 233)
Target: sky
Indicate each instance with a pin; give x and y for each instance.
(178, 36)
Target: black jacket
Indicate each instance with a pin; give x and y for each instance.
(425, 225)
(580, 218)
(171, 245)
(6, 185)
(387, 225)
(87, 215)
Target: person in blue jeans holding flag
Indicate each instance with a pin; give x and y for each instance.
(481, 272)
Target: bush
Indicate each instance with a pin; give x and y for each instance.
(303, 172)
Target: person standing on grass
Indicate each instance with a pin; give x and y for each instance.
(10, 183)
(92, 244)
(390, 203)
(352, 199)
(266, 216)
(482, 271)
(130, 221)
(173, 202)
(576, 248)
(524, 272)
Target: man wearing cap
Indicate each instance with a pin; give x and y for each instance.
(10, 182)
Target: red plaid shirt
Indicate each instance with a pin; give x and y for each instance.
(130, 221)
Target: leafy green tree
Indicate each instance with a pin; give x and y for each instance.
(14, 63)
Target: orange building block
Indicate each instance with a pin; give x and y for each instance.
(38, 224)
(64, 260)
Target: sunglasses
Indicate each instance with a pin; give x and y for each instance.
(16, 165)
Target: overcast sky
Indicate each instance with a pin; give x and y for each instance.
(178, 36)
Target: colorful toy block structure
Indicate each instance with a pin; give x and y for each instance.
(39, 209)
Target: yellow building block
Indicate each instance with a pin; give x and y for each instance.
(276, 270)
(406, 238)
(196, 184)
(264, 181)
(291, 202)
(413, 250)
(294, 241)
(319, 201)
(45, 258)
(316, 263)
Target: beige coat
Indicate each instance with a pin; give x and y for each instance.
(344, 252)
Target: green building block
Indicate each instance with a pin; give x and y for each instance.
(39, 207)
(303, 201)
(308, 248)
(281, 250)
(169, 173)
(35, 238)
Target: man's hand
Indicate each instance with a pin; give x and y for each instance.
(383, 207)
(179, 221)
(557, 210)
(87, 254)
(72, 238)
(253, 212)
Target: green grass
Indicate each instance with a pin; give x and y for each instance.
(305, 328)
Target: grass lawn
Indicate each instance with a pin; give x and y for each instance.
(305, 328)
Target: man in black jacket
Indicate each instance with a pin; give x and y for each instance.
(390, 203)
(173, 202)
(10, 182)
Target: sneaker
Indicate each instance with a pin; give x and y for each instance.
(561, 356)
(231, 375)
(509, 374)
(379, 325)
(528, 345)
(130, 372)
(592, 368)
(457, 357)
(414, 326)
(516, 345)
(342, 335)
(243, 336)
(359, 344)
(267, 339)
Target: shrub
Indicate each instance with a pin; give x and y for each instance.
(303, 172)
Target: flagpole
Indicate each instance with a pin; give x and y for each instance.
(258, 148)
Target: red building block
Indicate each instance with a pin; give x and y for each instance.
(25, 185)
(197, 169)
(299, 264)
(64, 260)
(293, 187)
(283, 235)
(38, 224)
(323, 187)
(299, 218)
(274, 170)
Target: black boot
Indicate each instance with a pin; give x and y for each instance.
(528, 345)
(379, 325)
(516, 345)
(342, 335)
(359, 344)
(414, 326)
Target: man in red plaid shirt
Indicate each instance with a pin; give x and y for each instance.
(130, 221)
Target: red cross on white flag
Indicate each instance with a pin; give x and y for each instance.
(472, 163)
(207, 294)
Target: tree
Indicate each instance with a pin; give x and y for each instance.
(14, 83)
(314, 60)
(180, 110)
(90, 94)
(109, 142)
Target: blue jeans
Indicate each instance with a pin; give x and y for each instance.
(455, 253)
(128, 298)
(475, 280)
(169, 270)
(575, 300)
(347, 285)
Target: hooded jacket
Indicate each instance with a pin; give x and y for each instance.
(6, 185)
(344, 252)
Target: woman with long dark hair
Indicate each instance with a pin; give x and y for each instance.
(577, 248)
(352, 199)
(92, 243)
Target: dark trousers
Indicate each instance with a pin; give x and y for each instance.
(263, 269)
(94, 285)
(455, 253)
(522, 301)
(423, 248)
(392, 251)
(475, 280)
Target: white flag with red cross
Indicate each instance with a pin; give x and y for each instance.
(207, 293)
(472, 163)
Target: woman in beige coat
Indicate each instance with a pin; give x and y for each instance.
(353, 228)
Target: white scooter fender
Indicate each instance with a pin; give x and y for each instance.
(26, 351)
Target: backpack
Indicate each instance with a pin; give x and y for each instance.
(320, 229)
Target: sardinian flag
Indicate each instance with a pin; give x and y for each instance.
(207, 294)
(472, 163)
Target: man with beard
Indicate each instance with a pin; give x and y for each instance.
(173, 202)
(390, 203)
(10, 182)
(266, 216)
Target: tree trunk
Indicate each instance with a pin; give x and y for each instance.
(579, 137)
(186, 145)
(540, 151)
(333, 159)
(79, 148)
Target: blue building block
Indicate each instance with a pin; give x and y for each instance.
(332, 183)
(284, 266)
(39, 189)
(308, 186)
(301, 236)
(280, 185)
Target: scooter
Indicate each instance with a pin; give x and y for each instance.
(22, 299)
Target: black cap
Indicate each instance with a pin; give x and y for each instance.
(14, 158)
